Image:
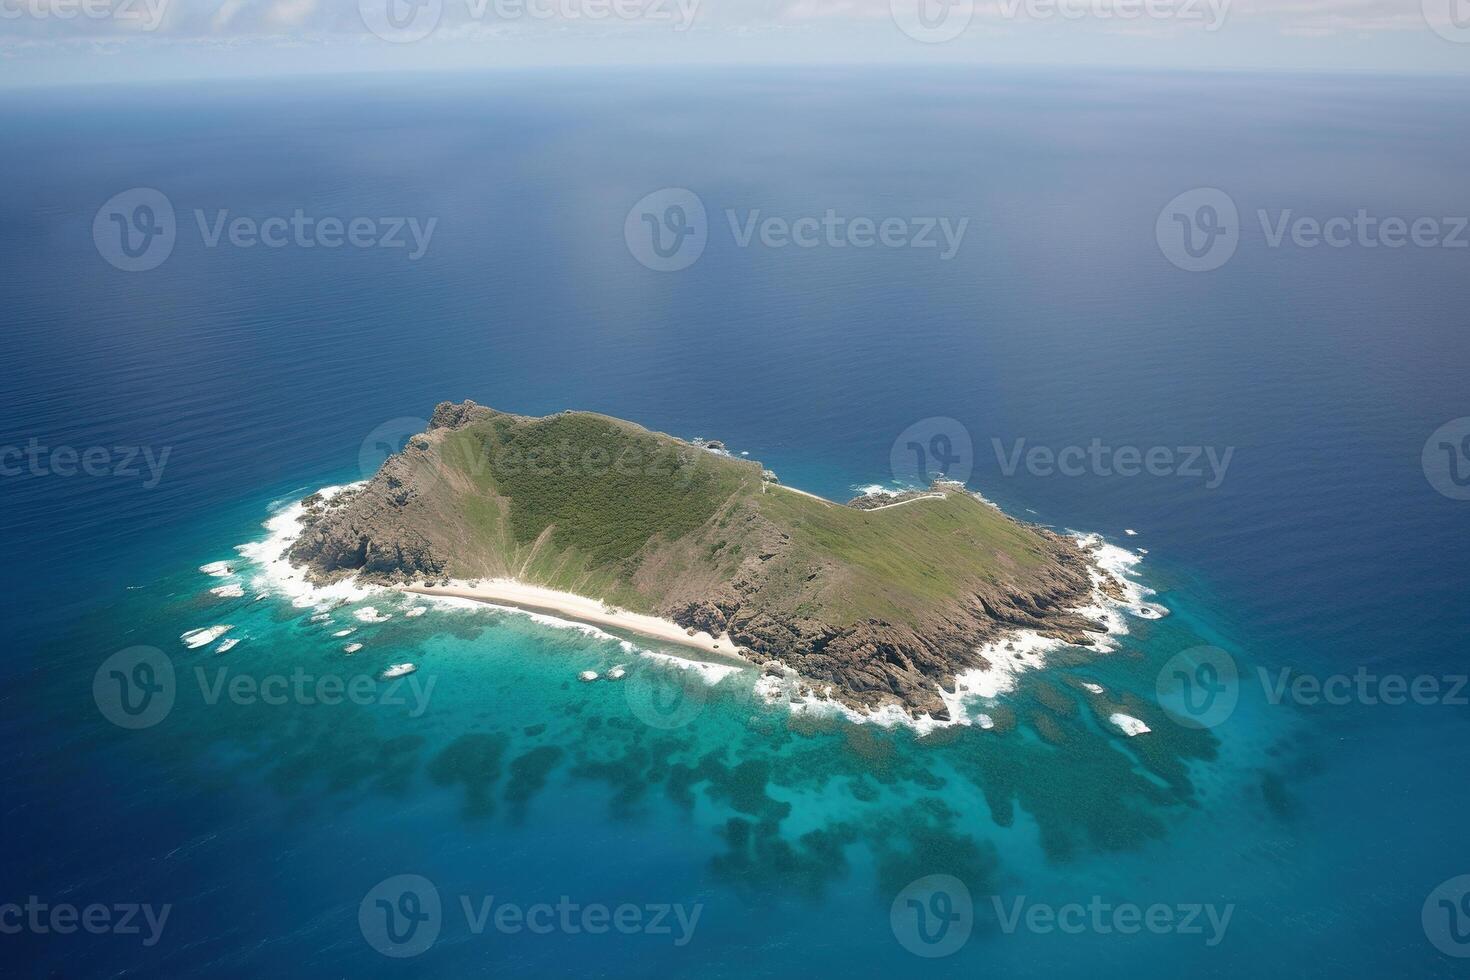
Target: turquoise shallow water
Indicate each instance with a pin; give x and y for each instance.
(493, 771)
(265, 827)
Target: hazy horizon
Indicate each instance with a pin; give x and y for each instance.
(61, 42)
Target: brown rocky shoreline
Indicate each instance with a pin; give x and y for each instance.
(390, 531)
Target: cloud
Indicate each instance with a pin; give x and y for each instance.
(1325, 17)
(326, 19)
(225, 15)
(290, 13)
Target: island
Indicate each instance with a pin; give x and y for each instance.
(877, 602)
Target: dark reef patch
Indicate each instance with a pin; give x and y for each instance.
(528, 775)
(472, 761)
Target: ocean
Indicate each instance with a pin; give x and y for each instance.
(1291, 397)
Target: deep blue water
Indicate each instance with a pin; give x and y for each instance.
(262, 372)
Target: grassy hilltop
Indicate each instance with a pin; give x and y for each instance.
(884, 604)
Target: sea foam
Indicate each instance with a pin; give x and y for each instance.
(1008, 656)
(195, 639)
(274, 572)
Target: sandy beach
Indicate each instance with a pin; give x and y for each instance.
(782, 486)
(568, 605)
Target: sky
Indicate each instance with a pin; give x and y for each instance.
(64, 42)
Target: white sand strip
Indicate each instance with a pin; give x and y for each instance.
(804, 494)
(568, 605)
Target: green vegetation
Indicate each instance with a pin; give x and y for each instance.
(883, 604)
(603, 487)
(601, 507)
(911, 558)
(587, 503)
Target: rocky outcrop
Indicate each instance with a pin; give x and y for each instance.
(449, 415)
(373, 530)
(872, 501)
(872, 663)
